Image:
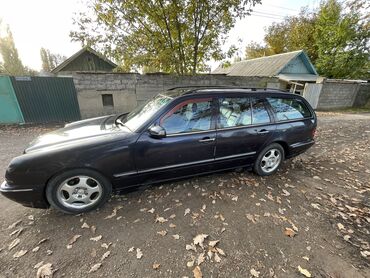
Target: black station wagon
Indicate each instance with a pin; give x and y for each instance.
(180, 133)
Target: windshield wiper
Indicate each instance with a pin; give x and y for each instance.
(118, 120)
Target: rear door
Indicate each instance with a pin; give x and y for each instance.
(295, 122)
(244, 125)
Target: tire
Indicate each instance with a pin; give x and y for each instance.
(264, 164)
(78, 191)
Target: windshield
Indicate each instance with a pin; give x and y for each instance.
(144, 112)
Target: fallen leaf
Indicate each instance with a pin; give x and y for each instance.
(250, 217)
(97, 238)
(160, 219)
(199, 239)
(14, 224)
(340, 226)
(187, 211)
(114, 213)
(213, 243)
(191, 247)
(105, 255)
(45, 271)
(105, 245)
(201, 258)
(14, 243)
(176, 236)
(151, 210)
(303, 271)
(286, 193)
(347, 237)
(162, 233)
(172, 225)
(156, 266)
(220, 251)
(95, 267)
(316, 206)
(217, 258)
(38, 264)
(197, 272)
(74, 239)
(85, 226)
(289, 232)
(255, 273)
(139, 254)
(190, 263)
(20, 253)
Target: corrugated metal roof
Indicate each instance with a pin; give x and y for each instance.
(264, 66)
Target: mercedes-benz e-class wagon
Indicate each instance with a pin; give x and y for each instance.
(179, 133)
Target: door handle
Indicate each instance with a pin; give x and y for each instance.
(262, 131)
(206, 139)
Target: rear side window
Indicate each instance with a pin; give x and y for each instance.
(259, 112)
(289, 108)
(235, 112)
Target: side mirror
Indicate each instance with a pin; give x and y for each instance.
(156, 131)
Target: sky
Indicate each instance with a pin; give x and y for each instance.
(47, 23)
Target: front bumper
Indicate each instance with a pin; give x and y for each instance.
(28, 197)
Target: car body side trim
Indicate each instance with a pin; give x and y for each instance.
(4, 189)
(182, 164)
(301, 144)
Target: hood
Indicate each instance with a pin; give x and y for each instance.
(85, 129)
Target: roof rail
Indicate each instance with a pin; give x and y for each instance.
(221, 87)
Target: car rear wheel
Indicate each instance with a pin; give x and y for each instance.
(269, 160)
(77, 191)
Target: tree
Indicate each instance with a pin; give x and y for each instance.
(256, 50)
(335, 38)
(170, 36)
(294, 33)
(11, 64)
(49, 60)
(342, 41)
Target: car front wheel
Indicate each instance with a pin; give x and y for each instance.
(77, 191)
(269, 160)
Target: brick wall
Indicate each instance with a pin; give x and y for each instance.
(130, 90)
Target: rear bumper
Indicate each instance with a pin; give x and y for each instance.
(28, 197)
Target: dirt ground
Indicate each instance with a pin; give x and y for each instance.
(312, 217)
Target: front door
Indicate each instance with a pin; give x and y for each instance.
(244, 126)
(188, 147)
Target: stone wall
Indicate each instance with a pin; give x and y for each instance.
(337, 94)
(130, 89)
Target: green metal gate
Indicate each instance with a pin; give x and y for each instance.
(46, 99)
(10, 112)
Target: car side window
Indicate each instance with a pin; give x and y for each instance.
(259, 112)
(289, 108)
(234, 112)
(189, 116)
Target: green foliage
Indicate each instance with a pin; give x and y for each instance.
(49, 60)
(11, 64)
(256, 50)
(342, 42)
(169, 36)
(336, 38)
